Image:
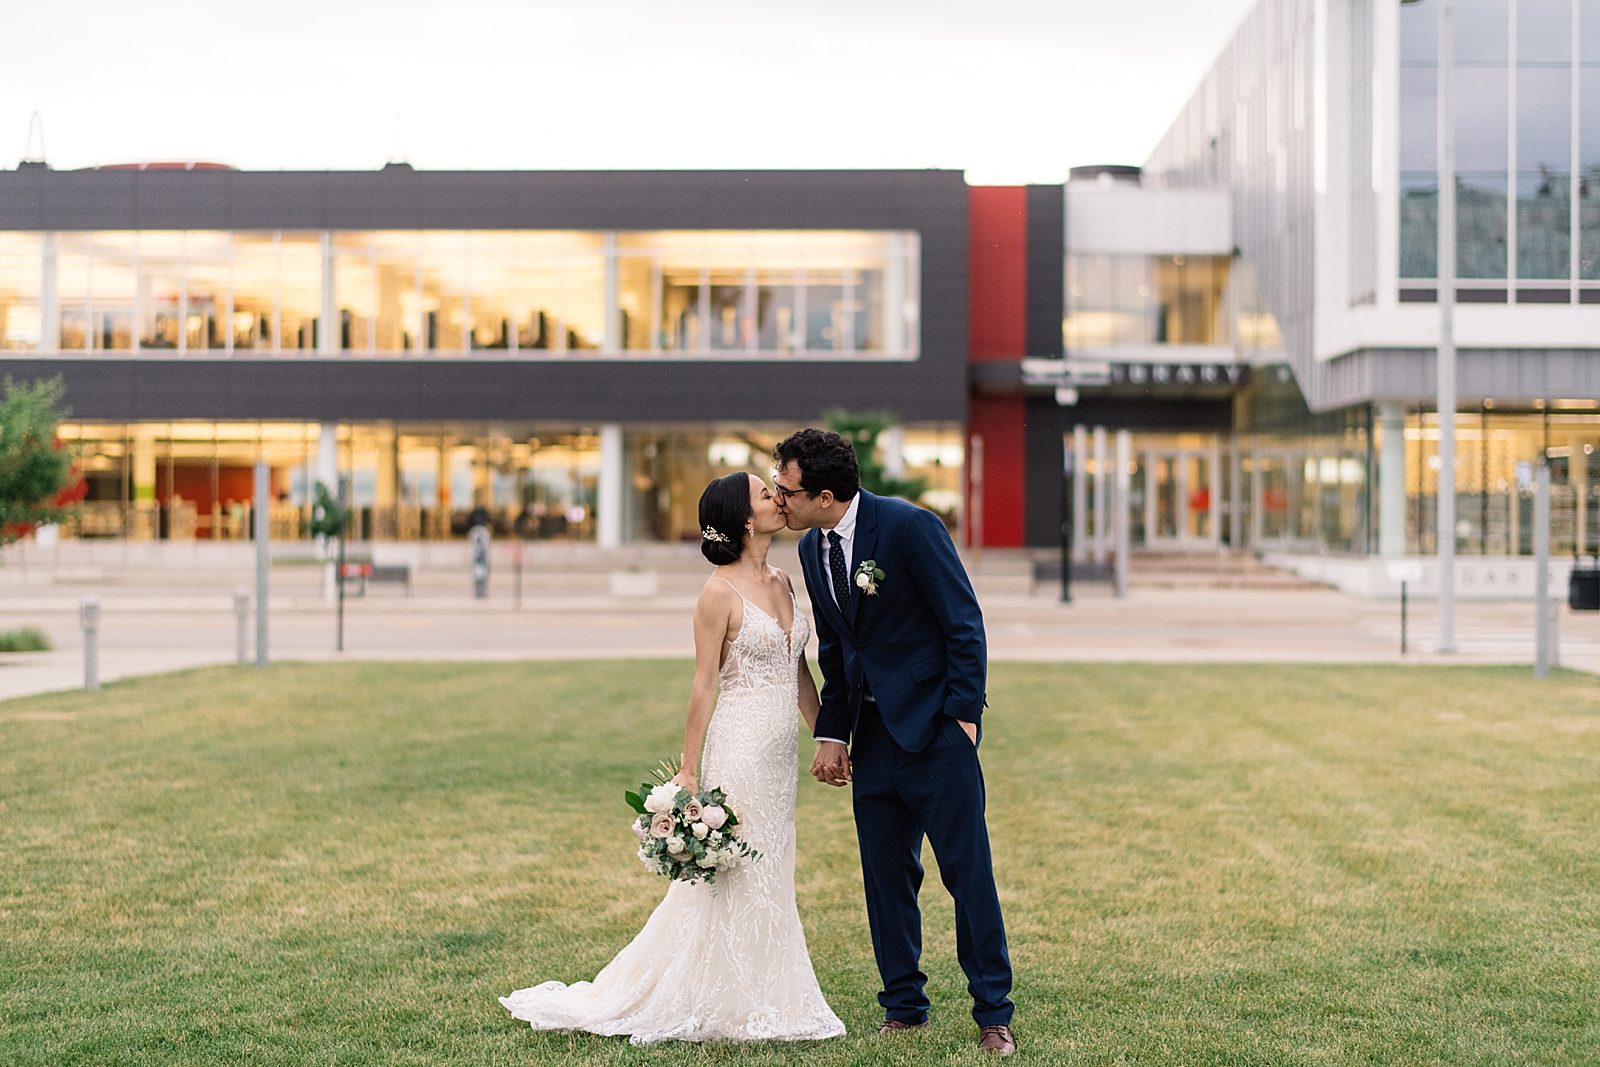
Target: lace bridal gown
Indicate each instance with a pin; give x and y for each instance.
(727, 962)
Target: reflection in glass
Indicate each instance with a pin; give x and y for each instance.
(299, 291)
(1589, 140)
(1482, 29)
(1481, 177)
(355, 291)
(208, 277)
(255, 291)
(21, 325)
(1544, 183)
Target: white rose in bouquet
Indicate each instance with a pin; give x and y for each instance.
(708, 860)
(662, 799)
(675, 845)
(700, 830)
(713, 816)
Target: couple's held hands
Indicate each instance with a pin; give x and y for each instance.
(832, 764)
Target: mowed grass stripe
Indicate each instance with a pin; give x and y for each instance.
(322, 864)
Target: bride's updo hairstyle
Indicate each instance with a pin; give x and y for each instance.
(724, 509)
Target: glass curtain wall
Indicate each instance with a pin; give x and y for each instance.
(452, 293)
(1523, 69)
(1121, 300)
(195, 480)
(1496, 457)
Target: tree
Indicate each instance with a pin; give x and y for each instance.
(327, 517)
(37, 482)
(862, 429)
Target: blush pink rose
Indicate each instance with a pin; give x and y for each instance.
(661, 826)
(713, 816)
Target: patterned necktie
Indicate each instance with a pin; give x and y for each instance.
(841, 580)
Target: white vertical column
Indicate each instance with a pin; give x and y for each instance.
(1391, 480)
(893, 442)
(49, 298)
(609, 519)
(1119, 525)
(328, 315)
(1102, 493)
(328, 457)
(1236, 536)
(1080, 493)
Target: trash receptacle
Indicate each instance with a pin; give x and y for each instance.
(1583, 585)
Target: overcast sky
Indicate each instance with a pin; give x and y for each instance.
(1008, 90)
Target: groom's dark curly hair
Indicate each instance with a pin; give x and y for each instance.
(826, 461)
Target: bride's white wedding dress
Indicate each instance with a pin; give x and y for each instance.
(728, 961)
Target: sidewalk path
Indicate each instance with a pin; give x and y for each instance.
(150, 630)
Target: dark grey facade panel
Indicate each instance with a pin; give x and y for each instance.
(656, 391)
(931, 203)
(43, 199)
(1046, 293)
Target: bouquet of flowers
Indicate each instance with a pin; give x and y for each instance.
(686, 836)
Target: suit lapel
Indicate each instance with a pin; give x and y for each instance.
(866, 545)
(817, 578)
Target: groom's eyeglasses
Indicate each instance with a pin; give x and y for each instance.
(784, 493)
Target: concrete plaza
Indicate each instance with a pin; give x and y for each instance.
(170, 617)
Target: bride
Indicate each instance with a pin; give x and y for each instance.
(727, 961)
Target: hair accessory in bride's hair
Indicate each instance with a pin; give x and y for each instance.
(710, 534)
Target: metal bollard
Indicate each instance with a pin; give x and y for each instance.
(89, 619)
(241, 615)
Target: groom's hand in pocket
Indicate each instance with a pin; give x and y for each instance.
(832, 764)
(970, 729)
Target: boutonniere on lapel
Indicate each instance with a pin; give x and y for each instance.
(868, 575)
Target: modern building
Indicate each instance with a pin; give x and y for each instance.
(1282, 238)
(576, 352)
(580, 352)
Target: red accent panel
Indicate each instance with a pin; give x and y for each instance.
(997, 272)
(999, 421)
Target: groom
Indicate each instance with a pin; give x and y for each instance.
(902, 650)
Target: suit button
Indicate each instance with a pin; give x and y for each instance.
(861, 648)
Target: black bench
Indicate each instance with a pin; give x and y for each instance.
(363, 573)
(1042, 569)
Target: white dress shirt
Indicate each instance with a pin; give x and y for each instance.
(846, 529)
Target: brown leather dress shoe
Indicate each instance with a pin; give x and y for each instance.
(997, 1040)
(894, 1026)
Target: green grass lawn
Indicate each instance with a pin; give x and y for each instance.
(1227, 865)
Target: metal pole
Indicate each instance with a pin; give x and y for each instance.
(1541, 571)
(1447, 346)
(975, 494)
(259, 520)
(517, 550)
(241, 628)
(1402, 617)
(1120, 523)
(89, 619)
(338, 570)
(1068, 473)
(1104, 525)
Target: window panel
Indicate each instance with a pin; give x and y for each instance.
(208, 277)
(21, 264)
(1544, 182)
(255, 292)
(300, 291)
(1589, 140)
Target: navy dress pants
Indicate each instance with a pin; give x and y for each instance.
(899, 797)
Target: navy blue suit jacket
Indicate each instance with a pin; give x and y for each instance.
(918, 646)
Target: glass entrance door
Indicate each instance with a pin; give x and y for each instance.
(1180, 498)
